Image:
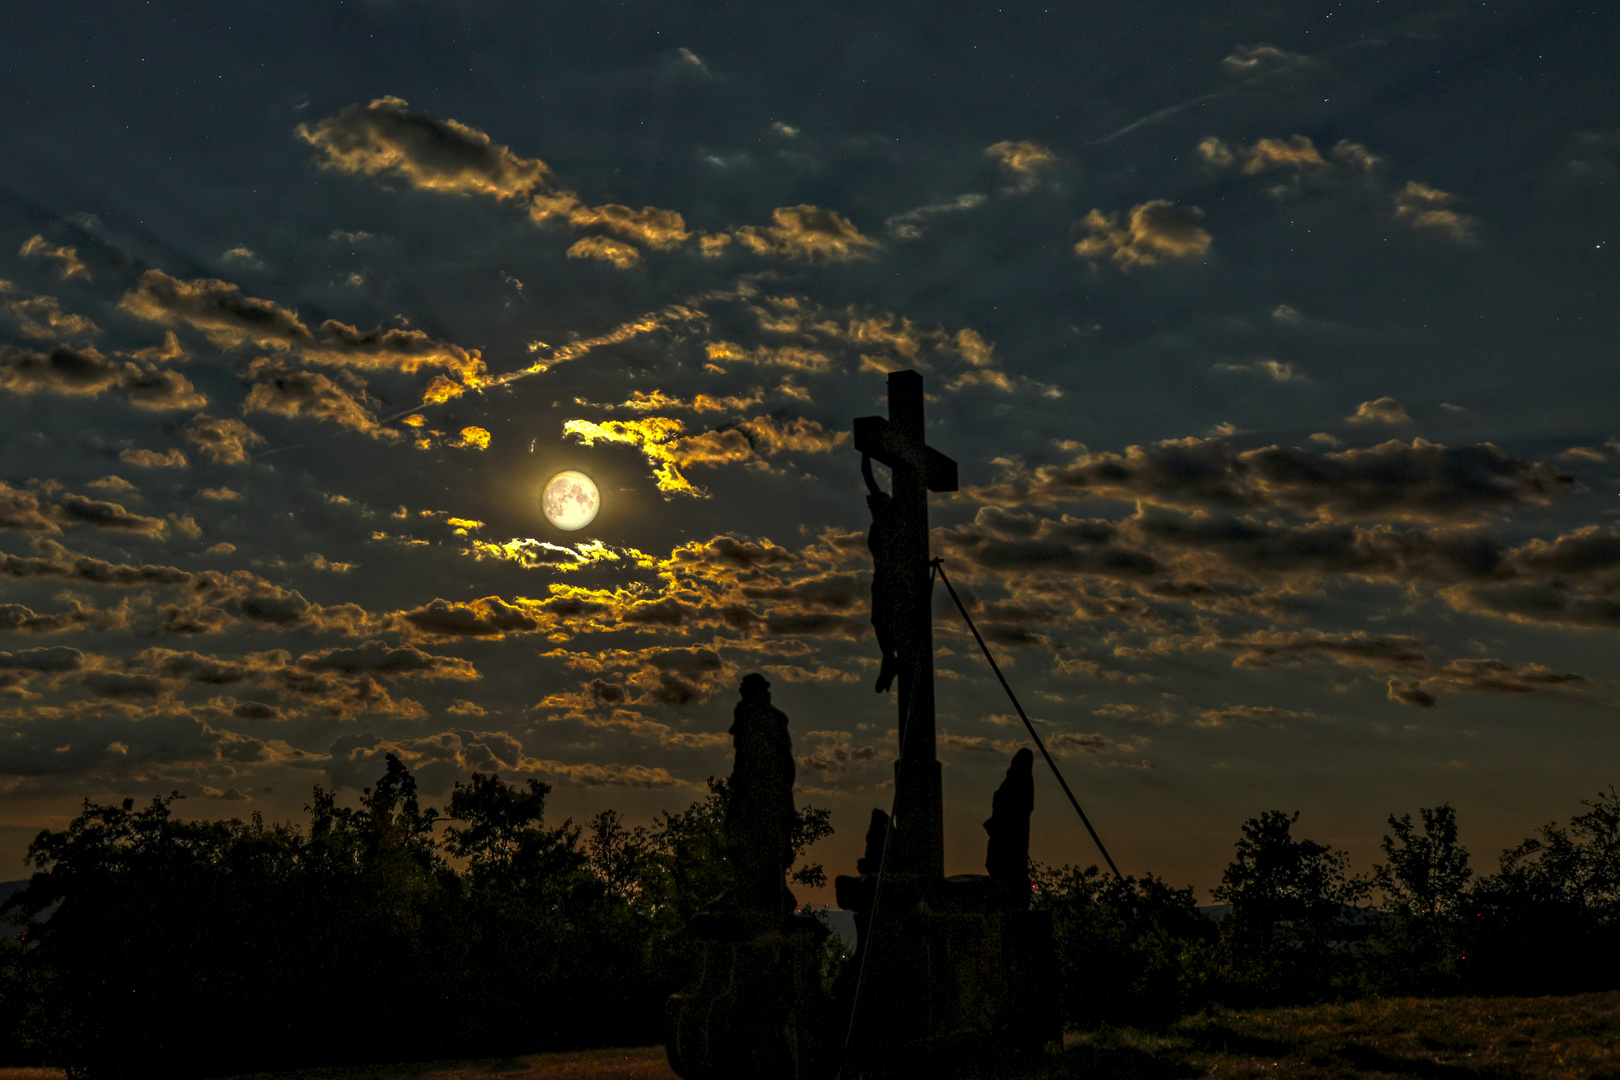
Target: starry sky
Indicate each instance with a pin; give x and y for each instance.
(1274, 343)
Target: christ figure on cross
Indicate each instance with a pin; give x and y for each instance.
(882, 542)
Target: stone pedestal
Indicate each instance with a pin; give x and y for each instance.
(755, 1009)
(949, 970)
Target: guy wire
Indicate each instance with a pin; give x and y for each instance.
(939, 567)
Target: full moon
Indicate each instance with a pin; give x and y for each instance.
(570, 500)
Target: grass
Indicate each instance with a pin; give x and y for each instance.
(1394, 1039)
(635, 1063)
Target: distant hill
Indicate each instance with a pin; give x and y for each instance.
(7, 925)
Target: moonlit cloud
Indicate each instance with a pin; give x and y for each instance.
(806, 233)
(65, 260)
(385, 139)
(1428, 208)
(1152, 233)
(1384, 410)
(1022, 161)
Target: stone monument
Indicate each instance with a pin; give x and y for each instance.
(944, 966)
(755, 1007)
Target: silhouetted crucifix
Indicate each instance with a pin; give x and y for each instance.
(901, 610)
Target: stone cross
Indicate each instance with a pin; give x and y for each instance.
(903, 613)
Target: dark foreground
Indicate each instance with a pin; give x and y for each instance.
(1398, 1038)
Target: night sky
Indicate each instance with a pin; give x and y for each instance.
(1275, 343)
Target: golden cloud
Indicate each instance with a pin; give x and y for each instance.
(385, 139)
(809, 233)
(621, 255)
(1023, 161)
(65, 259)
(663, 441)
(1297, 152)
(1155, 232)
(1425, 207)
(224, 442)
(42, 317)
(472, 436)
(534, 554)
(153, 459)
(1384, 410)
(791, 357)
(651, 226)
(655, 436)
(641, 401)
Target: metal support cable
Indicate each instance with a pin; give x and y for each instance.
(939, 567)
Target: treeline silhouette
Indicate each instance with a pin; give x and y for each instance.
(1301, 928)
(196, 948)
(389, 932)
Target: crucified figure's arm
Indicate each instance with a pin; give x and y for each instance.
(866, 474)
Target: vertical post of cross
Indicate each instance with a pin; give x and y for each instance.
(900, 443)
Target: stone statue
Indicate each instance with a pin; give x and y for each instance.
(1007, 857)
(760, 815)
(877, 834)
(882, 542)
(755, 1006)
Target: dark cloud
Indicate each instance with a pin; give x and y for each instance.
(1066, 558)
(48, 511)
(1394, 479)
(54, 659)
(439, 760)
(20, 619)
(86, 372)
(376, 658)
(489, 617)
(308, 393)
(231, 319)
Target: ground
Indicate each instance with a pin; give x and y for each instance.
(1452, 1039)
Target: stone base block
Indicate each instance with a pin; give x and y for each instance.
(756, 1009)
(952, 974)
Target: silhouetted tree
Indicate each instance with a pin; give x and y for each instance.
(1419, 945)
(1549, 920)
(1293, 913)
(1129, 951)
